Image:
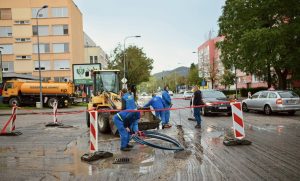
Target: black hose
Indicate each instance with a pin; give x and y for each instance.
(152, 134)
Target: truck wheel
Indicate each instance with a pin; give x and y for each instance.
(51, 101)
(103, 123)
(14, 101)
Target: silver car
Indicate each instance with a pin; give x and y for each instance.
(273, 101)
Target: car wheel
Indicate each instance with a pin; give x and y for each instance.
(229, 114)
(267, 110)
(204, 113)
(245, 107)
(291, 113)
(14, 101)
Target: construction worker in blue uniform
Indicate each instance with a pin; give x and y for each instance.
(157, 103)
(123, 121)
(167, 104)
(128, 103)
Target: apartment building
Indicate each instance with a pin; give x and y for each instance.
(60, 33)
(209, 63)
(212, 69)
(94, 53)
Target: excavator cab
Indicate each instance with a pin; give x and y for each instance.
(106, 96)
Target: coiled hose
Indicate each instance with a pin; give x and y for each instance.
(153, 134)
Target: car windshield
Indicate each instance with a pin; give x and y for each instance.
(289, 94)
(213, 94)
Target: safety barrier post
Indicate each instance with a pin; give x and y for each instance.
(55, 123)
(11, 132)
(238, 127)
(94, 154)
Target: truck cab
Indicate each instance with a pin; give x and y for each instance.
(11, 91)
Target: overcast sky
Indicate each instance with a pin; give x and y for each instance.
(171, 29)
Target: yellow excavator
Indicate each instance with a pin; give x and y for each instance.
(106, 97)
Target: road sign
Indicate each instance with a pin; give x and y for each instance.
(124, 80)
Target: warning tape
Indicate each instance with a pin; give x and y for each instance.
(118, 110)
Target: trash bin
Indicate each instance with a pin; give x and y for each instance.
(38, 105)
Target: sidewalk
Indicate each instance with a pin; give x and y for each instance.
(34, 110)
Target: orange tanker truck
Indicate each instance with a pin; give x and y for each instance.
(28, 93)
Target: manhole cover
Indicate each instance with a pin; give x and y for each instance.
(121, 161)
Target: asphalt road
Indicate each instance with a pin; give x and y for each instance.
(42, 153)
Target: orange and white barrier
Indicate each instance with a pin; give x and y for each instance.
(10, 130)
(93, 131)
(55, 112)
(238, 122)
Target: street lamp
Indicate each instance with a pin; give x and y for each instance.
(1, 74)
(39, 57)
(124, 77)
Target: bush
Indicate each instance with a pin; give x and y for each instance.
(297, 91)
(228, 92)
(244, 91)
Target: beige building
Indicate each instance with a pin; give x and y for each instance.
(94, 53)
(60, 34)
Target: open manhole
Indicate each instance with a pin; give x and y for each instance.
(121, 160)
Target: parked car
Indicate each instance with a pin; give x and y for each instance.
(171, 93)
(273, 101)
(144, 94)
(187, 95)
(215, 102)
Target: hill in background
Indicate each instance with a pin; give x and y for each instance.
(180, 71)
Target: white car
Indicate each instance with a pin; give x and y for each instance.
(273, 101)
(187, 94)
(171, 93)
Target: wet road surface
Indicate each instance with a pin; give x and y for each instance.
(42, 153)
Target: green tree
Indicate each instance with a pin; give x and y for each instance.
(227, 78)
(193, 77)
(138, 65)
(261, 35)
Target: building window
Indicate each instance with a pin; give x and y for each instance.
(61, 79)
(46, 79)
(5, 13)
(8, 66)
(59, 12)
(45, 65)
(7, 49)
(23, 39)
(60, 30)
(91, 59)
(61, 65)
(42, 14)
(60, 47)
(95, 59)
(22, 22)
(44, 48)
(23, 57)
(5, 31)
(43, 30)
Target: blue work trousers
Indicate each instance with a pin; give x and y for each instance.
(161, 116)
(197, 111)
(124, 135)
(167, 115)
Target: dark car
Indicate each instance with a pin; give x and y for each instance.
(215, 102)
